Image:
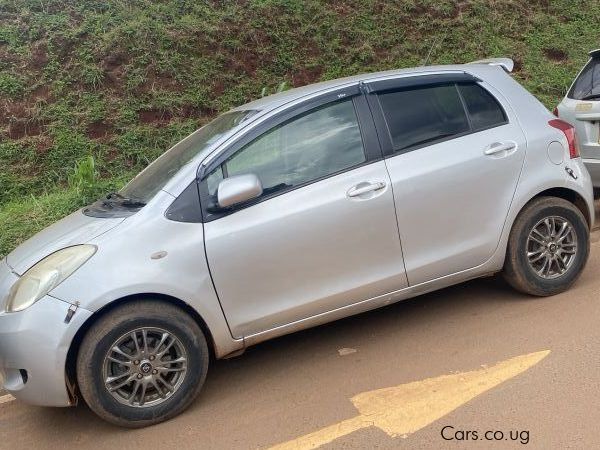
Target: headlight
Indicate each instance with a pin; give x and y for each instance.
(46, 275)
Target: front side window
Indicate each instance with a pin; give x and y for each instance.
(319, 143)
(484, 110)
(423, 115)
(587, 85)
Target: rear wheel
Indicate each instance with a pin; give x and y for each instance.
(548, 247)
(142, 363)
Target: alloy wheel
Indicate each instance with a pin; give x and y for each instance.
(145, 367)
(551, 247)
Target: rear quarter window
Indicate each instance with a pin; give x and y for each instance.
(484, 110)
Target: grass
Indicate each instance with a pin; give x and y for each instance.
(91, 91)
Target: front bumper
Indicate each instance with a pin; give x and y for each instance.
(33, 348)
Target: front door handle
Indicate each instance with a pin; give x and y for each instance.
(364, 188)
(500, 148)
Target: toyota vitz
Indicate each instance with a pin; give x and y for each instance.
(288, 212)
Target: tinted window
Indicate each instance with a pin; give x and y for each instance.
(423, 115)
(588, 82)
(319, 143)
(484, 110)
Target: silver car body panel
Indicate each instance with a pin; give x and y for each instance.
(468, 185)
(8, 277)
(37, 341)
(307, 252)
(276, 266)
(74, 229)
(126, 265)
(584, 115)
(538, 174)
(532, 183)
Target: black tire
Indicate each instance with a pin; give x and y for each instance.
(518, 271)
(124, 319)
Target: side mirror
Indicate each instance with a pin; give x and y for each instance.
(238, 189)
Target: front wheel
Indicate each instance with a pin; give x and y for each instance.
(548, 247)
(142, 363)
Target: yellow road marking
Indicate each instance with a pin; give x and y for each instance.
(6, 398)
(407, 408)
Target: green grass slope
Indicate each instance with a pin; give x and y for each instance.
(121, 80)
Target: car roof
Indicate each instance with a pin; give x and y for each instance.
(595, 53)
(276, 100)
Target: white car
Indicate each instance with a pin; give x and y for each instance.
(581, 108)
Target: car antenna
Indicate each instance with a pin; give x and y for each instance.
(433, 46)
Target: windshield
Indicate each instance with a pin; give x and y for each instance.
(152, 179)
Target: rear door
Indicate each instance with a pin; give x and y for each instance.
(454, 152)
(581, 108)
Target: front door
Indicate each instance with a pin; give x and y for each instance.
(322, 236)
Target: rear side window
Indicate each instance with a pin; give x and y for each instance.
(423, 115)
(484, 109)
(587, 85)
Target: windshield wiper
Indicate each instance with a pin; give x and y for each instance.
(114, 198)
(591, 97)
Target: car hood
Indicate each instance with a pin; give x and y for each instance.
(74, 229)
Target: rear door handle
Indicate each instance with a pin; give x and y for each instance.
(364, 188)
(500, 147)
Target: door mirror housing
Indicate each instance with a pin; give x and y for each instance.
(238, 189)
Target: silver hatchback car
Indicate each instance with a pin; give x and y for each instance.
(581, 108)
(285, 213)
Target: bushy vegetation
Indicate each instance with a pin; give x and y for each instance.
(92, 90)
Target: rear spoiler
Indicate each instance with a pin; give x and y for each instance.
(595, 53)
(506, 63)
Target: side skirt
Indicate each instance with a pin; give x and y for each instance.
(372, 303)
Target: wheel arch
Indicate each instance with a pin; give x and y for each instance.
(497, 262)
(73, 351)
(514, 267)
(569, 195)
